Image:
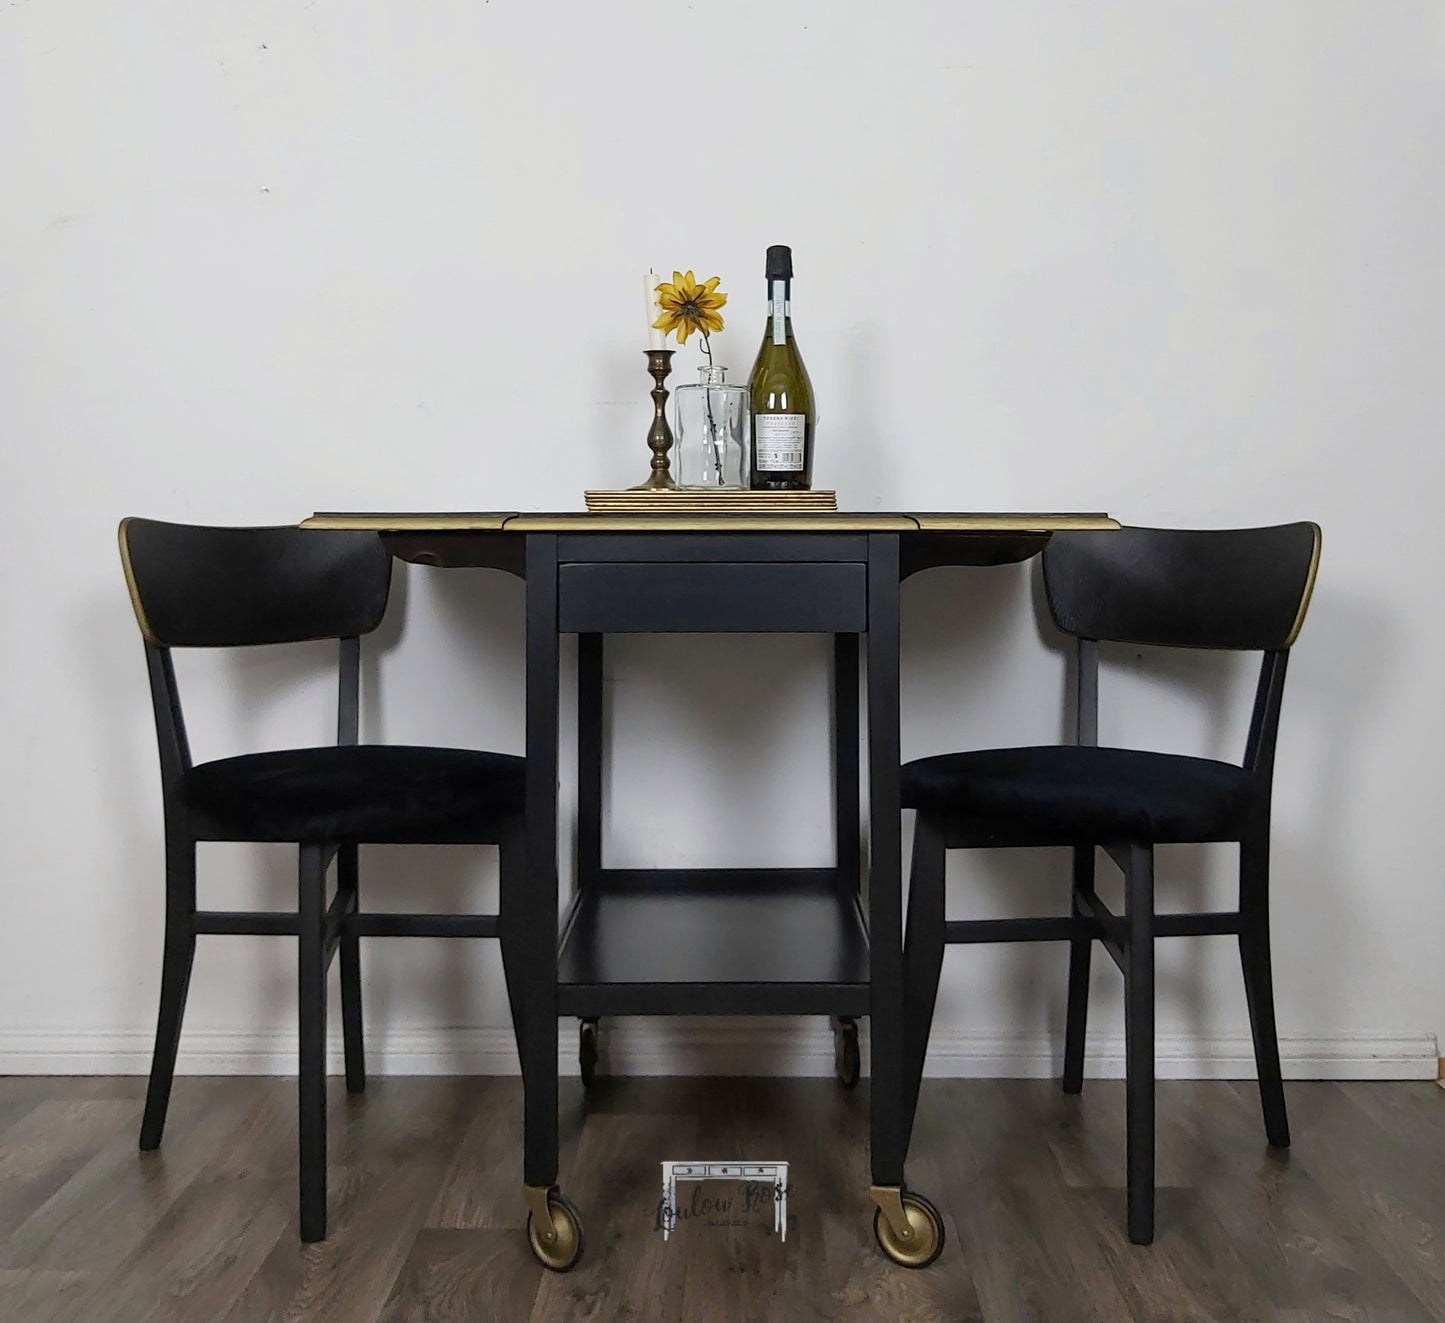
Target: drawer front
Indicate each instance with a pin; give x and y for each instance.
(717, 548)
(675, 598)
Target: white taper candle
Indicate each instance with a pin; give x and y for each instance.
(655, 339)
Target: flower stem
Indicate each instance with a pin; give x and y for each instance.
(712, 438)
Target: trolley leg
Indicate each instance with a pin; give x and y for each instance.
(845, 760)
(538, 927)
(589, 758)
(888, 1139)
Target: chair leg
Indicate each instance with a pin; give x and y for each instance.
(922, 955)
(511, 893)
(347, 869)
(311, 1000)
(1139, 1042)
(1080, 950)
(179, 955)
(1259, 985)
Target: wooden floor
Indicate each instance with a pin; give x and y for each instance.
(426, 1214)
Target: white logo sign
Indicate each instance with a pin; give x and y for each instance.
(773, 1175)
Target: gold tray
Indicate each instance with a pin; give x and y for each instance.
(706, 500)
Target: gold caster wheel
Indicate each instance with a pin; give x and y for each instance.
(560, 1246)
(924, 1241)
(587, 1052)
(847, 1061)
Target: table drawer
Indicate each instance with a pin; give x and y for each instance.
(681, 598)
(714, 548)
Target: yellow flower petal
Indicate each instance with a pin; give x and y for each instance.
(689, 307)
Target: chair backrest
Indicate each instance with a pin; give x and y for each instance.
(198, 587)
(1241, 588)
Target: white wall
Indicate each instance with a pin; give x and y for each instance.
(1182, 262)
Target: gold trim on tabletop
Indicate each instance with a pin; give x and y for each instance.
(712, 522)
(810, 520)
(367, 522)
(1011, 523)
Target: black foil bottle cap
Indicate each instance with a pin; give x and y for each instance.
(780, 262)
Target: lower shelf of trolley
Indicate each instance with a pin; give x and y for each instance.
(755, 941)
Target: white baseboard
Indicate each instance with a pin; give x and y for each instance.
(725, 1047)
(1188, 1057)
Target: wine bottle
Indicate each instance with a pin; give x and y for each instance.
(781, 394)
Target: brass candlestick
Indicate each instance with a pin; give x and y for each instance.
(659, 435)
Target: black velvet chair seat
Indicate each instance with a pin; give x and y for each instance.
(1086, 793)
(367, 792)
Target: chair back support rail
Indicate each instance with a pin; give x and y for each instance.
(1259, 747)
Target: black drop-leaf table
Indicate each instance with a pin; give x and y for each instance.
(784, 941)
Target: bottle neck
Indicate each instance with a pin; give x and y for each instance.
(780, 296)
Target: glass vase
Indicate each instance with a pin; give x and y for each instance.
(712, 425)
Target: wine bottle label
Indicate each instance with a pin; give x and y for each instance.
(778, 441)
(780, 312)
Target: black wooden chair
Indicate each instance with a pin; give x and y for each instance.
(1242, 589)
(222, 587)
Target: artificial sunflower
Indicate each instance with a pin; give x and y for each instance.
(688, 306)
